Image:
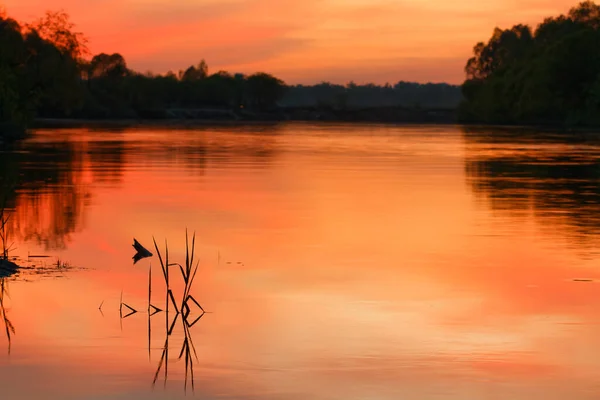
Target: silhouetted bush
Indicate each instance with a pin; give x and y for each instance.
(547, 76)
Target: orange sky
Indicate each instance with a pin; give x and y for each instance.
(301, 41)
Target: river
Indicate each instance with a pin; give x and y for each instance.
(334, 262)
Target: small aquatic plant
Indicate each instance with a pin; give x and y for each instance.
(7, 268)
(188, 271)
(141, 252)
(61, 264)
(131, 309)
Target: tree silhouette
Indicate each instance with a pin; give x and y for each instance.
(111, 66)
(44, 72)
(55, 27)
(263, 90)
(549, 76)
(194, 73)
(53, 78)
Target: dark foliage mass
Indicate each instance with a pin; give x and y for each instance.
(45, 72)
(352, 96)
(550, 75)
(38, 70)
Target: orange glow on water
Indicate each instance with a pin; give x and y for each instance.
(335, 260)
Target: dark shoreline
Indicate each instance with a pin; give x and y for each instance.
(49, 123)
(191, 117)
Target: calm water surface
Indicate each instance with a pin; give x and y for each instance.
(338, 262)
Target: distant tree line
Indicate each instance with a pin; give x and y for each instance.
(114, 91)
(46, 71)
(353, 96)
(547, 76)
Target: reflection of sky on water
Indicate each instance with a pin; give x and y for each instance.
(339, 263)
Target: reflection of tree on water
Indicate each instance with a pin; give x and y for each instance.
(191, 149)
(50, 182)
(51, 190)
(555, 176)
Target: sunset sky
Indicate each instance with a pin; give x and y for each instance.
(301, 41)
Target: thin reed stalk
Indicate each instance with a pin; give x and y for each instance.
(7, 324)
(4, 218)
(188, 271)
